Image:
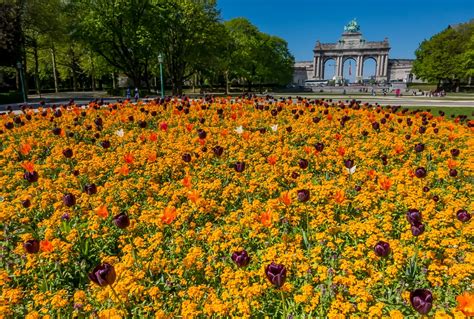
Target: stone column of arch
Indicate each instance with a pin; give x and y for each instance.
(339, 68)
(360, 68)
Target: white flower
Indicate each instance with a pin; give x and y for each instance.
(239, 129)
(274, 127)
(119, 132)
(351, 170)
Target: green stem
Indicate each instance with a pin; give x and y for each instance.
(283, 300)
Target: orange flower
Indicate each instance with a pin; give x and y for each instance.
(339, 197)
(151, 157)
(169, 214)
(398, 149)
(25, 149)
(201, 141)
(466, 304)
(28, 166)
(371, 173)
(102, 211)
(189, 127)
(341, 151)
(308, 149)
(153, 137)
(338, 136)
(246, 135)
(272, 159)
(128, 158)
(285, 198)
(187, 181)
(452, 163)
(266, 218)
(224, 132)
(46, 246)
(193, 196)
(385, 183)
(124, 170)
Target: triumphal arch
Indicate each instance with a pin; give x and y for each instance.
(352, 46)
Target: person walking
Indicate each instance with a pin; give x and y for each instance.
(127, 94)
(137, 94)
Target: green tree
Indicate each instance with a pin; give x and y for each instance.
(186, 33)
(118, 30)
(441, 58)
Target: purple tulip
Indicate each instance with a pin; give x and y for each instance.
(417, 229)
(69, 200)
(67, 153)
(276, 274)
(26, 203)
(295, 175)
(453, 172)
(31, 176)
(413, 216)
(121, 220)
(455, 152)
(186, 157)
(382, 249)
(239, 167)
(303, 195)
(218, 150)
(463, 215)
(349, 163)
(241, 258)
(105, 144)
(421, 300)
(319, 147)
(419, 147)
(303, 163)
(31, 246)
(420, 172)
(202, 134)
(65, 217)
(103, 275)
(90, 189)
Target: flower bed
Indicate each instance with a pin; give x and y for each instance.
(246, 207)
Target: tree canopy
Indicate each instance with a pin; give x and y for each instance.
(446, 58)
(76, 43)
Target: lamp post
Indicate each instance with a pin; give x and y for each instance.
(160, 60)
(20, 70)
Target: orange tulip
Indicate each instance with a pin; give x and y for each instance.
(25, 149)
(338, 136)
(153, 137)
(193, 196)
(128, 158)
(385, 183)
(169, 214)
(266, 218)
(371, 173)
(272, 159)
(102, 211)
(398, 149)
(452, 163)
(285, 198)
(187, 181)
(307, 149)
(28, 166)
(466, 304)
(151, 157)
(46, 246)
(124, 170)
(189, 127)
(339, 197)
(341, 151)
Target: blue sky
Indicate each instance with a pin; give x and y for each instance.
(302, 22)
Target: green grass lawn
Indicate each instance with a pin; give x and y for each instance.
(469, 111)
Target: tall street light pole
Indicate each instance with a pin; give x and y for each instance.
(160, 60)
(20, 70)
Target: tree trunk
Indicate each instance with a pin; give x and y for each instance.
(37, 82)
(74, 80)
(226, 74)
(55, 76)
(114, 85)
(92, 73)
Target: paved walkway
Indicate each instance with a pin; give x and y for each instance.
(85, 97)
